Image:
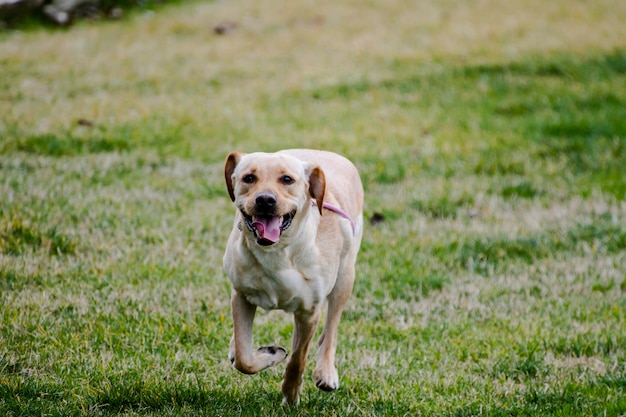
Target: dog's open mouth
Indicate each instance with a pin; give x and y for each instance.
(267, 229)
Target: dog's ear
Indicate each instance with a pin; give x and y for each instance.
(317, 184)
(229, 167)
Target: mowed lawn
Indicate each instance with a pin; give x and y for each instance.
(491, 139)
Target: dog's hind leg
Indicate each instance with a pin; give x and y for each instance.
(241, 354)
(325, 376)
(304, 329)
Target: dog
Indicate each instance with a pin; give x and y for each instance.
(293, 246)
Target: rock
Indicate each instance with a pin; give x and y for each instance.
(62, 12)
(377, 218)
(224, 28)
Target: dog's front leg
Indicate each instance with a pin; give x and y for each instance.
(241, 354)
(305, 325)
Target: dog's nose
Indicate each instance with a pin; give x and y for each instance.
(266, 201)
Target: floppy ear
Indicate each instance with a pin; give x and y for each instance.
(317, 185)
(229, 167)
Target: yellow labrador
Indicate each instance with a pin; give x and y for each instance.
(293, 246)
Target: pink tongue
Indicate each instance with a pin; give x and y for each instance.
(267, 227)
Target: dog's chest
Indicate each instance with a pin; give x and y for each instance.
(287, 290)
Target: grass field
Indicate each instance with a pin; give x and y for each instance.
(491, 139)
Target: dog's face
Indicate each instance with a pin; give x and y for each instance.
(270, 191)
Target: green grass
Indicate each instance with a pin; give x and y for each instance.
(491, 142)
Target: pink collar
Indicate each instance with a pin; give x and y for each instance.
(339, 212)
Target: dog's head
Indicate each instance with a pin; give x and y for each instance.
(271, 190)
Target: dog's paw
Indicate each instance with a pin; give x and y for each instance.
(263, 358)
(273, 355)
(291, 393)
(326, 379)
(291, 402)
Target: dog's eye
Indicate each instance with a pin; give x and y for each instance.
(287, 180)
(249, 179)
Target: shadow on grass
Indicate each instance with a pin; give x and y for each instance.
(130, 394)
(30, 396)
